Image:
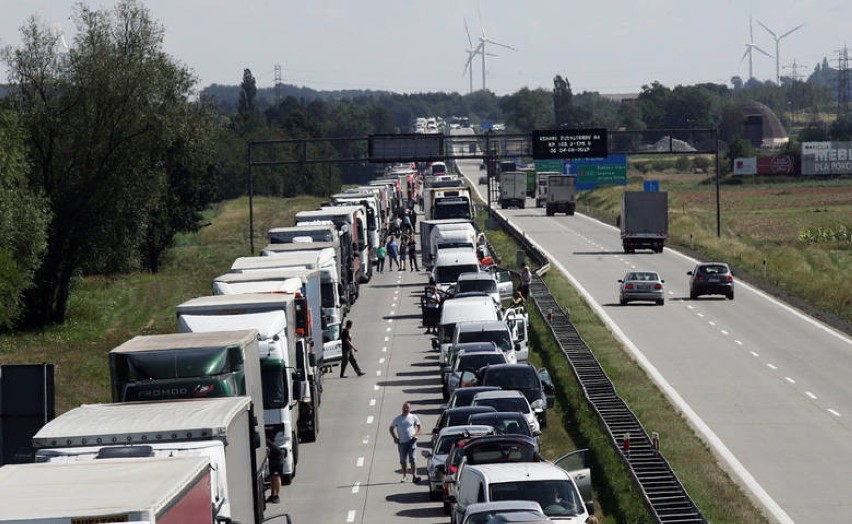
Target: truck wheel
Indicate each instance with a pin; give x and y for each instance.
(731, 295)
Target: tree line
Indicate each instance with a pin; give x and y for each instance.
(107, 151)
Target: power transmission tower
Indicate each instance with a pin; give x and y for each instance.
(843, 81)
(794, 68)
(277, 84)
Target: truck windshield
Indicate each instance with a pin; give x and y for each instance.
(327, 292)
(274, 387)
(454, 210)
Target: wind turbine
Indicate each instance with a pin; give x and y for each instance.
(483, 39)
(777, 48)
(750, 48)
(471, 52)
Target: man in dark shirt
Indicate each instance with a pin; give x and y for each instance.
(347, 357)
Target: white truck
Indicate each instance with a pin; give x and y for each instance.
(644, 220)
(449, 203)
(541, 187)
(513, 189)
(427, 251)
(163, 491)
(222, 430)
(370, 204)
(325, 338)
(289, 374)
(561, 194)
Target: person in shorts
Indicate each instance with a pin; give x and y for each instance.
(276, 470)
(405, 429)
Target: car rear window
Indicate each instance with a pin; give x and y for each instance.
(512, 378)
(484, 286)
(713, 270)
(499, 452)
(476, 361)
(505, 404)
(502, 424)
(501, 338)
(446, 442)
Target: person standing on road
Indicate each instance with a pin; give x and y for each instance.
(403, 252)
(412, 252)
(381, 253)
(347, 348)
(276, 470)
(393, 253)
(405, 429)
(526, 280)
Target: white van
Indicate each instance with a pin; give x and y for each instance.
(457, 310)
(549, 485)
(496, 331)
(450, 263)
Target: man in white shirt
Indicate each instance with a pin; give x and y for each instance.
(405, 429)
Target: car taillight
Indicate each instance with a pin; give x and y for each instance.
(453, 469)
(658, 286)
(729, 278)
(698, 277)
(628, 286)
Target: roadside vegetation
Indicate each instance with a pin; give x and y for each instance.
(104, 312)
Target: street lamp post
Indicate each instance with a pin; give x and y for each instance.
(718, 195)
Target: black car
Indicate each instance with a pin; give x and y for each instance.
(457, 417)
(464, 396)
(524, 378)
(711, 278)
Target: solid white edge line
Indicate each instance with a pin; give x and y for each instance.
(710, 437)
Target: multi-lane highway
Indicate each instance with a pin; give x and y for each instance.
(766, 386)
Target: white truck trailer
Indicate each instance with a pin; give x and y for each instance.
(222, 430)
(154, 491)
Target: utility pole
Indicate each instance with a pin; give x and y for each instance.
(277, 84)
(843, 81)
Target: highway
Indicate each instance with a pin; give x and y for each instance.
(351, 474)
(766, 386)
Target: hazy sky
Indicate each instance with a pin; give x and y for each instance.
(607, 46)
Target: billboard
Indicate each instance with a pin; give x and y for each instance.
(826, 158)
(569, 143)
(594, 172)
(745, 166)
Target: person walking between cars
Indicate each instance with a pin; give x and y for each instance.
(403, 252)
(276, 470)
(347, 348)
(405, 429)
(526, 280)
(381, 253)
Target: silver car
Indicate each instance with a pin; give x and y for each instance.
(436, 458)
(641, 285)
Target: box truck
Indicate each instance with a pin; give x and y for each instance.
(644, 220)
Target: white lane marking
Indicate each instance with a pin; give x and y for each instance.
(724, 332)
(381, 360)
(370, 419)
(384, 350)
(396, 292)
(700, 315)
(771, 366)
(711, 323)
(738, 342)
(377, 387)
(356, 488)
(350, 517)
(790, 380)
(379, 373)
(372, 402)
(360, 462)
(754, 354)
(689, 306)
(836, 414)
(389, 321)
(810, 395)
(387, 338)
(366, 440)
(389, 329)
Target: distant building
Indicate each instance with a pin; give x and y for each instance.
(762, 127)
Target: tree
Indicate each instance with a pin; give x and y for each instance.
(526, 110)
(23, 221)
(102, 122)
(562, 100)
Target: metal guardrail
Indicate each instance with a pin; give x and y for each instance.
(664, 494)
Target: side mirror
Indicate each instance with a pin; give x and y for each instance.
(434, 343)
(590, 507)
(517, 345)
(537, 433)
